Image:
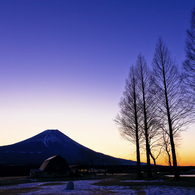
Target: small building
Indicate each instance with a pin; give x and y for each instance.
(35, 173)
(55, 166)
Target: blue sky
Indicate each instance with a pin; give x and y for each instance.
(64, 63)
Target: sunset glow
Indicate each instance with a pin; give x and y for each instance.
(64, 63)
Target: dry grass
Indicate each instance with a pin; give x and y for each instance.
(52, 184)
(17, 190)
(156, 181)
(104, 180)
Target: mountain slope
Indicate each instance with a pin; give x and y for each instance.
(51, 142)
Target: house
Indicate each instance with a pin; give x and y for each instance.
(55, 166)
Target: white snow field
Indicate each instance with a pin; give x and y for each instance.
(87, 187)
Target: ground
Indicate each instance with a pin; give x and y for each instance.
(110, 184)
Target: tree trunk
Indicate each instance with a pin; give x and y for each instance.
(175, 167)
(169, 156)
(137, 136)
(149, 174)
(139, 175)
(154, 160)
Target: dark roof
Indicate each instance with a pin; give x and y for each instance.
(54, 161)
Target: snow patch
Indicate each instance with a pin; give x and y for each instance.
(142, 181)
(87, 187)
(49, 138)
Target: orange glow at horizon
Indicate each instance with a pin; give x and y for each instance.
(185, 151)
(183, 160)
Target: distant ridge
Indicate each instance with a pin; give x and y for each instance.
(51, 142)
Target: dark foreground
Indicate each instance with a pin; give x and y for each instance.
(99, 184)
(106, 180)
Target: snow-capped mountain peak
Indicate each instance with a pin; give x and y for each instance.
(49, 143)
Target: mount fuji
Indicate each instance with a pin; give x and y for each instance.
(51, 142)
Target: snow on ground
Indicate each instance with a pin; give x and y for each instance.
(142, 181)
(86, 187)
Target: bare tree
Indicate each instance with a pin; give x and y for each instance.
(143, 76)
(155, 141)
(154, 125)
(172, 103)
(167, 146)
(128, 119)
(189, 63)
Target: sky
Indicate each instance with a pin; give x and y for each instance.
(63, 65)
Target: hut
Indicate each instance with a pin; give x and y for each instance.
(55, 166)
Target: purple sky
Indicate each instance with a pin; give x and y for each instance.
(64, 63)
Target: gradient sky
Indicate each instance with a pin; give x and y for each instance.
(63, 65)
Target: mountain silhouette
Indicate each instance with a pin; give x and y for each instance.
(51, 142)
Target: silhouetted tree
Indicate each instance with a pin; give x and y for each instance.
(189, 64)
(143, 77)
(172, 103)
(154, 124)
(128, 119)
(167, 146)
(155, 141)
